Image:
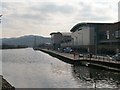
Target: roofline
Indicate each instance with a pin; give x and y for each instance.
(85, 23)
(55, 33)
(117, 22)
(60, 33)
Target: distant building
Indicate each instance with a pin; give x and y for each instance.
(66, 39)
(56, 39)
(59, 40)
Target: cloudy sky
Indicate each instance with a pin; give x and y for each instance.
(41, 17)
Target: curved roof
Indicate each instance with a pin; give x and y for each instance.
(55, 33)
(84, 24)
(77, 26)
(62, 33)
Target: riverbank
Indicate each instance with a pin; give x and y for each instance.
(5, 85)
(98, 62)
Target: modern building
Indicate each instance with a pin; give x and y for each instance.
(96, 37)
(60, 39)
(109, 38)
(85, 36)
(66, 39)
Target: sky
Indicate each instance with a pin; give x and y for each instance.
(41, 17)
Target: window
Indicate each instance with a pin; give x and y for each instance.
(108, 34)
(80, 28)
(117, 34)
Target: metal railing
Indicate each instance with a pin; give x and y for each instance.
(86, 57)
(98, 58)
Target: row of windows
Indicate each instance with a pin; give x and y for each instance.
(116, 34)
(109, 35)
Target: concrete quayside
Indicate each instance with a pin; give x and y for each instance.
(102, 62)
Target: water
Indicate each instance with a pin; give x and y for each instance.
(26, 68)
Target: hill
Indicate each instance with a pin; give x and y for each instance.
(29, 40)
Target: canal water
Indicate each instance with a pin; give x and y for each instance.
(26, 68)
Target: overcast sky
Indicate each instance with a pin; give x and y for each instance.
(41, 17)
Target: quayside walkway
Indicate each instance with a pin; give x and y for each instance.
(101, 61)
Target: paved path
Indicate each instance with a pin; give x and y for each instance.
(95, 58)
(68, 55)
(100, 61)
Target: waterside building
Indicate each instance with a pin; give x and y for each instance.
(98, 38)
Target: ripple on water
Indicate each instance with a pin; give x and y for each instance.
(36, 69)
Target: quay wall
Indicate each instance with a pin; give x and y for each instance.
(91, 63)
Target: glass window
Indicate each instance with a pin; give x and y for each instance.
(117, 34)
(108, 34)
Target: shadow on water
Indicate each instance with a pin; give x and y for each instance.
(88, 74)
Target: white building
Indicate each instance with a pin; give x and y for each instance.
(83, 35)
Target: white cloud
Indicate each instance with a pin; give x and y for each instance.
(44, 16)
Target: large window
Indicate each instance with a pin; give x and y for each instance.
(108, 34)
(117, 34)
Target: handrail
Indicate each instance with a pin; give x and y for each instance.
(99, 58)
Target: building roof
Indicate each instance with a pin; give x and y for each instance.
(62, 33)
(84, 24)
(55, 33)
(66, 33)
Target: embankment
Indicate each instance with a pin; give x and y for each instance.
(86, 62)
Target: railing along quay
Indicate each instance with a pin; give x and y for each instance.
(100, 59)
(95, 60)
(85, 57)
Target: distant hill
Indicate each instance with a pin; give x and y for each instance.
(28, 40)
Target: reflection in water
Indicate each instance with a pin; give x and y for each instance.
(27, 68)
(99, 78)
